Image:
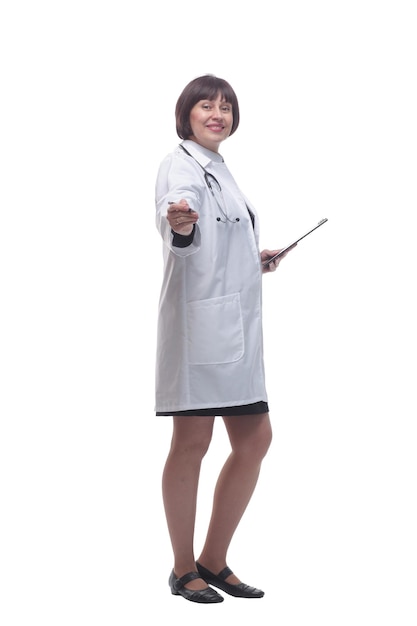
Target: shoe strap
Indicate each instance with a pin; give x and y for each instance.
(224, 573)
(180, 582)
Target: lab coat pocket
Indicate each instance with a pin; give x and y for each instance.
(215, 330)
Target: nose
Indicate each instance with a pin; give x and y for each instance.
(217, 112)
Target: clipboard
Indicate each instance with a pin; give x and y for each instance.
(284, 250)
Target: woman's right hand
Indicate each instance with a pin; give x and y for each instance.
(181, 217)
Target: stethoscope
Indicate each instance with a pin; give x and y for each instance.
(209, 179)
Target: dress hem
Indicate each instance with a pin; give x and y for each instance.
(255, 408)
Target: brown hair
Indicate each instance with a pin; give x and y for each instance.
(203, 88)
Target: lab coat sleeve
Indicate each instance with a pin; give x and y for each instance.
(177, 180)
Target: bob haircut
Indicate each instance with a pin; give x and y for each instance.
(203, 88)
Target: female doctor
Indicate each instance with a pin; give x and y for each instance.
(209, 346)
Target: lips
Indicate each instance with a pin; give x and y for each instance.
(216, 128)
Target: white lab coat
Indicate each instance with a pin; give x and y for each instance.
(209, 344)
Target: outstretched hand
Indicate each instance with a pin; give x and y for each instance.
(181, 217)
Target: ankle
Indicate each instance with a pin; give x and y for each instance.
(183, 567)
(213, 565)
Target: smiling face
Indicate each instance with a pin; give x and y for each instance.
(211, 122)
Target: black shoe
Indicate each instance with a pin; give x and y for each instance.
(204, 596)
(239, 591)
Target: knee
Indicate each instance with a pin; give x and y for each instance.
(195, 448)
(254, 445)
(261, 442)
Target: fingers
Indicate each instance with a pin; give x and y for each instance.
(272, 266)
(182, 205)
(267, 255)
(269, 265)
(181, 217)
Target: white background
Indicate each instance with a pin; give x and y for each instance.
(327, 92)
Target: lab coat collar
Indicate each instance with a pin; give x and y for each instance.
(202, 155)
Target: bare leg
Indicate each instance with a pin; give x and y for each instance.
(190, 441)
(250, 437)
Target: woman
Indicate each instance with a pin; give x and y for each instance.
(209, 352)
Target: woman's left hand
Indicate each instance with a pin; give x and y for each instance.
(268, 254)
